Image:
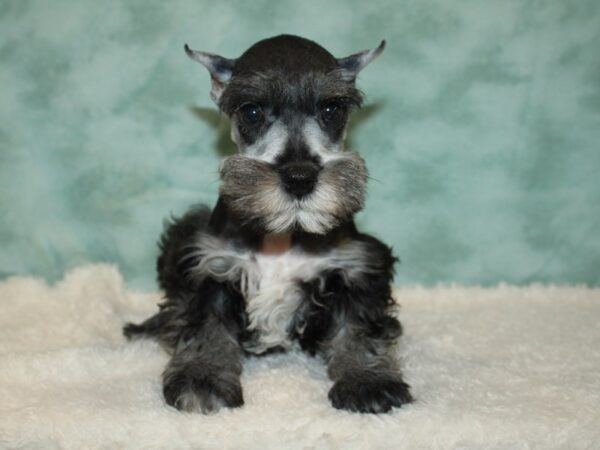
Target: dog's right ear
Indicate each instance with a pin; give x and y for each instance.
(351, 65)
(220, 70)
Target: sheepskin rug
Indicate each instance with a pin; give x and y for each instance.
(494, 368)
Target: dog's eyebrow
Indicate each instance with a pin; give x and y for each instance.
(333, 88)
(256, 88)
(275, 88)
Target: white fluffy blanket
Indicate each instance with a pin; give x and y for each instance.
(497, 368)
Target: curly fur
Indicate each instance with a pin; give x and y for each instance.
(329, 292)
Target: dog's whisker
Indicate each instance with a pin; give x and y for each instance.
(369, 177)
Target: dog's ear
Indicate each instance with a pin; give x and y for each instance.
(351, 65)
(220, 70)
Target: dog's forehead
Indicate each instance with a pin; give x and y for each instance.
(286, 72)
(288, 54)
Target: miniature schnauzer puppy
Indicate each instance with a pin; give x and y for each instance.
(278, 263)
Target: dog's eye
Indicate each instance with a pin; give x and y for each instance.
(330, 112)
(251, 114)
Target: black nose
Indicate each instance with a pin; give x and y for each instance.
(299, 178)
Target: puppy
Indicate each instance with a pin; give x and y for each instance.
(278, 263)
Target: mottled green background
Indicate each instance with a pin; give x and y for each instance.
(481, 129)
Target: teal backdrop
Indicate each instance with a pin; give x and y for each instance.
(481, 129)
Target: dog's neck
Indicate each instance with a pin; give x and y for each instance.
(275, 243)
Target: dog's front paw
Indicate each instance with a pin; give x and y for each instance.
(205, 394)
(369, 394)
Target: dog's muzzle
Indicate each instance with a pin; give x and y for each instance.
(297, 195)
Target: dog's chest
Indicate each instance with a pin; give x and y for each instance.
(272, 304)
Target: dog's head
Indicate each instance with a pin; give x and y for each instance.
(289, 100)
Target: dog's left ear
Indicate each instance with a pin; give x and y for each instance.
(220, 70)
(351, 65)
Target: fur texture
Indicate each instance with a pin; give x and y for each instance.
(496, 368)
(252, 190)
(328, 291)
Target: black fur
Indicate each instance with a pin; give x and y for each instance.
(332, 305)
(287, 75)
(344, 312)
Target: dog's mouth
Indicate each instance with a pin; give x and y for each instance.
(257, 192)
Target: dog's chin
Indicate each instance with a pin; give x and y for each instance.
(298, 218)
(288, 215)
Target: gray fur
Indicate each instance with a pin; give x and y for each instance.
(220, 70)
(353, 64)
(363, 367)
(327, 288)
(253, 190)
(273, 305)
(217, 259)
(348, 350)
(277, 89)
(204, 372)
(289, 81)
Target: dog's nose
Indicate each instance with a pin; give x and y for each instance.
(299, 178)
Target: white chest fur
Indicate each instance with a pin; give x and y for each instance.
(270, 283)
(277, 295)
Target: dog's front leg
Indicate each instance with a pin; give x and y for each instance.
(204, 372)
(366, 377)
